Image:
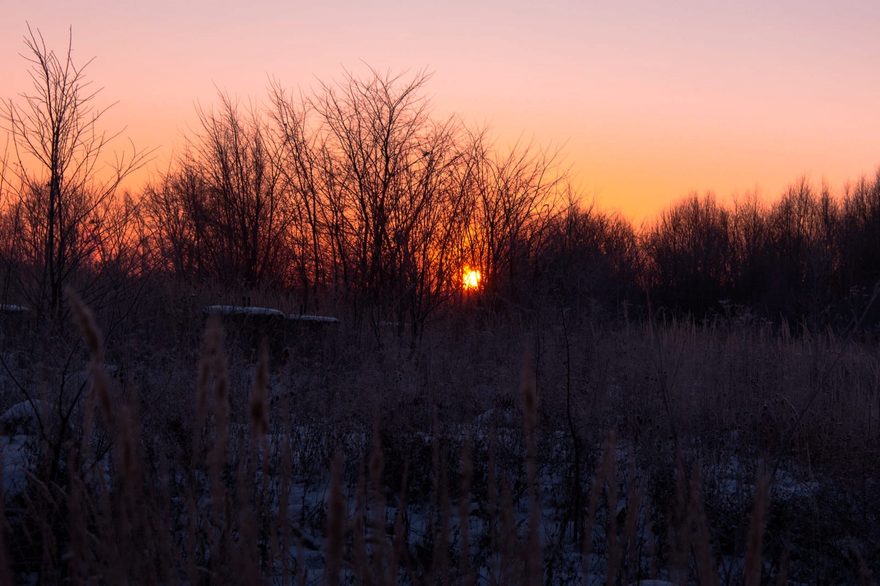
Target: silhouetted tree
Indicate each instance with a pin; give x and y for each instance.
(517, 196)
(61, 206)
(802, 231)
(225, 212)
(300, 164)
(177, 222)
(589, 256)
(689, 250)
(249, 209)
(752, 265)
(860, 234)
(397, 186)
(358, 195)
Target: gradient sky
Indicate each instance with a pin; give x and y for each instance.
(647, 101)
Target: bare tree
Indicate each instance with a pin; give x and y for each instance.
(224, 212)
(63, 185)
(8, 237)
(518, 194)
(392, 204)
(860, 234)
(690, 254)
(300, 156)
(176, 222)
(248, 207)
(588, 256)
(380, 167)
(430, 224)
(802, 237)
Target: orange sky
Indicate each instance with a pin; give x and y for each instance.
(646, 100)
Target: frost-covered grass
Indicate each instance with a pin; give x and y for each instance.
(494, 450)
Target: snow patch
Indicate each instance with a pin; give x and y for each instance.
(16, 453)
(22, 418)
(325, 319)
(241, 310)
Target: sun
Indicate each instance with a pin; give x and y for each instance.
(471, 279)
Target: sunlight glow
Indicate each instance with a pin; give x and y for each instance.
(471, 279)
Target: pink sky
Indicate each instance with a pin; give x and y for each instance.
(647, 100)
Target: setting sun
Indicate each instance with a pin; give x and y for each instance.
(471, 279)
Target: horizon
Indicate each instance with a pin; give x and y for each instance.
(645, 104)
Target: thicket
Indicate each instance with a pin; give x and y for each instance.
(356, 200)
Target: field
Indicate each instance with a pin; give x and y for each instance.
(517, 448)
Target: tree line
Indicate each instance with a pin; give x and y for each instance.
(357, 197)
(807, 256)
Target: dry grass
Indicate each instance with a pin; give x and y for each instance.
(386, 465)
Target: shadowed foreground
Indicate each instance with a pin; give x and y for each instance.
(737, 454)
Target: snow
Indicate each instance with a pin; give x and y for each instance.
(22, 417)
(13, 308)
(734, 476)
(241, 310)
(15, 452)
(19, 425)
(314, 318)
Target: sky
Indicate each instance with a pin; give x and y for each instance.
(645, 101)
